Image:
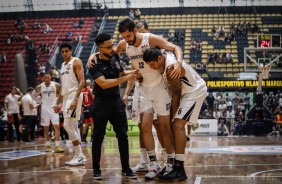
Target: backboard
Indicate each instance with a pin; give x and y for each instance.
(255, 58)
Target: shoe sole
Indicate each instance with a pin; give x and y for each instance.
(173, 179)
(141, 171)
(97, 178)
(80, 164)
(59, 151)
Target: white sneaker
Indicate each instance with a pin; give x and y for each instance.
(74, 157)
(168, 168)
(155, 169)
(141, 167)
(77, 160)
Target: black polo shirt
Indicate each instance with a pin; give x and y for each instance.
(110, 69)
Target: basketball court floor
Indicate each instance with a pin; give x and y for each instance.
(220, 160)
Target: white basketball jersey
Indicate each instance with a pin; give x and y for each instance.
(150, 76)
(69, 80)
(49, 94)
(191, 81)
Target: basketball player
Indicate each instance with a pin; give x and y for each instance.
(72, 78)
(189, 93)
(142, 27)
(49, 92)
(154, 95)
(87, 109)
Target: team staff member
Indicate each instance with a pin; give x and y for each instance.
(29, 115)
(108, 105)
(87, 109)
(189, 93)
(11, 106)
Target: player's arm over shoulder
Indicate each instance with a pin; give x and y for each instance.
(121, 46)
(174, 84)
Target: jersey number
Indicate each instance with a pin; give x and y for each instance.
(179, 111)
(141, 65)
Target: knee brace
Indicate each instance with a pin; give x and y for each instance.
(70, 125)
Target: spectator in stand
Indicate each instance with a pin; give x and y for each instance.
(36, 25)
(239, 124)
(47, 29)
(80, 23)
(210, 100)
(222, 106)
(3, 57)
(213, 30)
(216, 114)
(131, 15)
(210, 58)
(68, 34)
(222, 129)
(230, 115)
(223, 58)
(137, 13)
(199, 45)
(255, 28)
(78, 37)
(193, 44)
(229, 58)
(47, 48)
(221, 31)
(216, 58)
(106, 10)
(42, 47)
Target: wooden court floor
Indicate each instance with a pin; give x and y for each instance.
(219, 160)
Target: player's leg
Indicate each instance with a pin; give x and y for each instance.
(70, 124)
(55, 122)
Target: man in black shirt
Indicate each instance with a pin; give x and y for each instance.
(107, 105)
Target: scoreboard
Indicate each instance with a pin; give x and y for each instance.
(269, 40)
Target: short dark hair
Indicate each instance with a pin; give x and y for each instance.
(63, 45)
(100, 38)
(126, 24)
(30, 89)
(151, 54)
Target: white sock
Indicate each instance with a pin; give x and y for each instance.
(151, 153)
(57, 143)
(48, 143)
(180, 157)
(143, 155)
(77, 150)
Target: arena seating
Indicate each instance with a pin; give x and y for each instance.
(199, 26)
(60, 27)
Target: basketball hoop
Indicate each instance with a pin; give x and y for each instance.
(265, 71)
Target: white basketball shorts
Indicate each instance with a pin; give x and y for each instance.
(190, 106)
(47, 115)
(67, 100)
(157, 98)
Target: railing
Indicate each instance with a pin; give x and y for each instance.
(100, 31)
(53, 48)
(78, 46)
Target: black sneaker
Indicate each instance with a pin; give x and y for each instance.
(97, 174)
(177, 174)
(188, 139)
(163, 170)
(128, 174)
